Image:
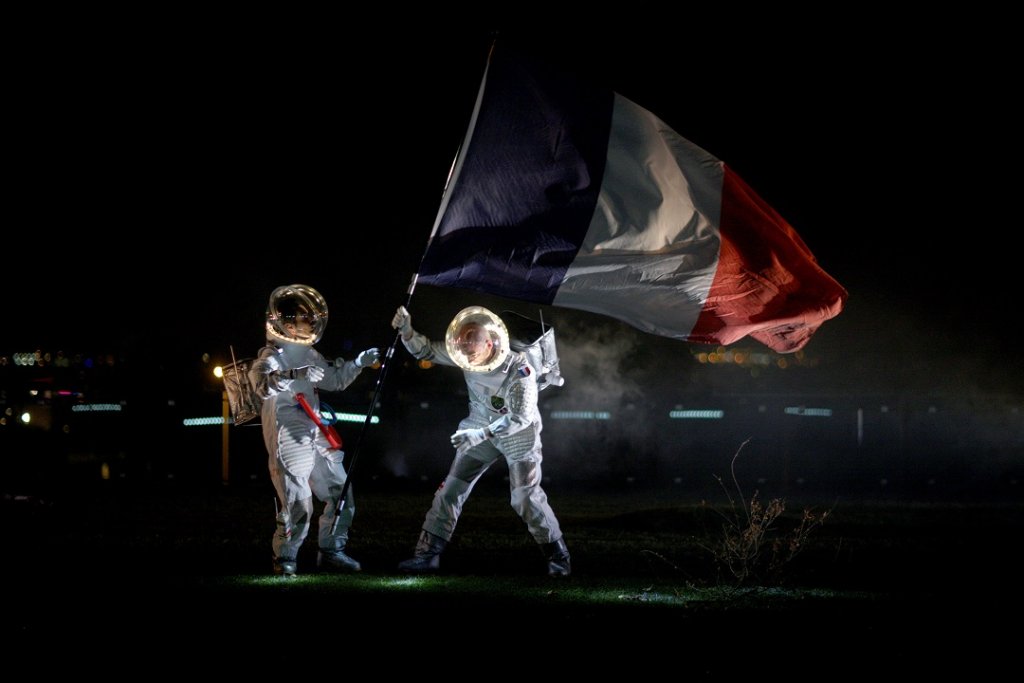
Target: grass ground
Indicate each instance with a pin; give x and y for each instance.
(914, 587)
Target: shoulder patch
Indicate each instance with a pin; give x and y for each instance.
(525, 370)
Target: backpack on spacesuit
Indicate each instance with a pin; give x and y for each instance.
(537, 341)
(244, 402)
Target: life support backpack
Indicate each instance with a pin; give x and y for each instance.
(244, 402)
(537, 341)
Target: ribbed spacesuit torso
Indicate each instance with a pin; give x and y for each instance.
(278, 375)
(504, 399)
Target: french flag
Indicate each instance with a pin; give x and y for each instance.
(570, 195)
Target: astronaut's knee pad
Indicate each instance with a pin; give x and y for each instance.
(453, 489)
(523, 474)
(304, 507)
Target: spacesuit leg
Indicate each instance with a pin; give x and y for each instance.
(291, 461)
(327, 480)
(439, 524)
(292, 526)
(530, 502)
(449, 498)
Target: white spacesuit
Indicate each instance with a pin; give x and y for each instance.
(503, 421)
(302, 462)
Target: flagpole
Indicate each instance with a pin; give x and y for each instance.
(385, 364)
(452, 173)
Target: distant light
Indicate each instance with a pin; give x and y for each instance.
(580, 415)
(204, 421)
(425, 364)
(26, 418)
(809, 412)
(350, 417)
(96, 408)
(218, 372)
(696, 414)
(219, 420)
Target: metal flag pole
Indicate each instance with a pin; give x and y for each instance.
(453, 173)
(385, 364)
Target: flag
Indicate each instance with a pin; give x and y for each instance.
(571, 195)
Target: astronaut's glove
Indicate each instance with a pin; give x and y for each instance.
(314, 373)
(403, 322)
(367, 358)
(464, 439)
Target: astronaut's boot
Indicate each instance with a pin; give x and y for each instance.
(427, 556)
(284, 566)
(557, 554)
(336, 561)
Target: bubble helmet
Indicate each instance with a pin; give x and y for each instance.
(296, 314)
(477, 339)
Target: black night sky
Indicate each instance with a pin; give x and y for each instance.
(161, 181)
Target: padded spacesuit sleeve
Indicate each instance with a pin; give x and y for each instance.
(266, 376)
(425, 349)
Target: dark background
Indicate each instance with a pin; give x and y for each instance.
(164, 174)
(163, 178)
(165, 170)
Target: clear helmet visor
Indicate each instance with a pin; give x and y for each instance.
(296, 314)
(477, 340)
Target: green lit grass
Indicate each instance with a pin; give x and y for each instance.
(881, 580)
(604, 591)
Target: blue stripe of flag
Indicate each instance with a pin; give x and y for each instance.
(521, 203)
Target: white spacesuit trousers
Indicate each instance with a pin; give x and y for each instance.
(303, 465)
(527, 497)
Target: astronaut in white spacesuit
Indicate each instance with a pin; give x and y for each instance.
(302, 462)
(503, 422)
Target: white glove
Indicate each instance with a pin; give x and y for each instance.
(367, 358)
(314, 373)
(464, 439)
(403, 322)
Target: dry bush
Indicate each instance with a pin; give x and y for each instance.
(752, 547)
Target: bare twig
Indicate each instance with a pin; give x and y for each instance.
(751, 547)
